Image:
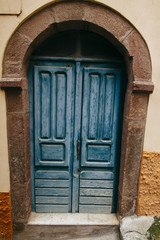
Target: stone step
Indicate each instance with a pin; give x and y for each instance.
(69, 227)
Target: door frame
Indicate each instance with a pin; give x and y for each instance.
(27, 37)
(53, 61)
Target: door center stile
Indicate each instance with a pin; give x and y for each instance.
(77, 137)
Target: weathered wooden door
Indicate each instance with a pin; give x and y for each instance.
(75, 124)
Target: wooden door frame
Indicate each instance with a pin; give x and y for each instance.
(28, 36)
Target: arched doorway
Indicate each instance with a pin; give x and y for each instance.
(76, 83)
(123, 35)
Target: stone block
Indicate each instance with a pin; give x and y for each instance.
(133, 132)
(19, 203)
(17, 47)
(73, 11)
(127, 206)
(133, 154)
(16, 147)
(28, 198)
(14, 100)
(27, 146)
(135, 227)
(6, 83)
(136, 107)
(13, 69)
(39, 22)
(108, 20)
(141, 59)
(25, 99)
(142, 86)
(17, 100)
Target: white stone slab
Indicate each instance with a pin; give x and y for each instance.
(72, 219)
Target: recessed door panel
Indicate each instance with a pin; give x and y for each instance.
(98, 153)
(93, 104)
(45, 105)
(61, 105)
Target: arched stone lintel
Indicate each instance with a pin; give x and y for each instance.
(47, 21)
(75, 15)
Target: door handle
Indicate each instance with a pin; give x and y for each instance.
(78, 150)
(75, 175)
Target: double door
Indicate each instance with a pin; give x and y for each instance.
(75, 119)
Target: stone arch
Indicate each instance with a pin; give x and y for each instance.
(102, 20)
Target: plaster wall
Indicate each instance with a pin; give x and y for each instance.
(4, 167)
(144, 15)
(5, 216)
(149, 187)
(10, 6)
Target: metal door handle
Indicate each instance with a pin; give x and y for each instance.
(75, 175)
(78, 150)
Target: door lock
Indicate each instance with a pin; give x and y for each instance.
(78, 150)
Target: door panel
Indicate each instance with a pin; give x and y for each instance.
(52, 191)
(96, 191)
(99, 98)
(98, 153)
(75, 137)
(53, 101)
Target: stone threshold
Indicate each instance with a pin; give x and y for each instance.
(52, 219)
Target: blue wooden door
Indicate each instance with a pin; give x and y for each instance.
(75, 136)
(100, 105)
(53, 108)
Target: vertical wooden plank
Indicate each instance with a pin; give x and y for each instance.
(95, 209)
(70, 98)
(37, 108)
(61, 105)
(77, 128)
(101, 105)
(93, 104)
(109, 105)
(85, 111)
(41, 208)
(53, 105)
(45, 92)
